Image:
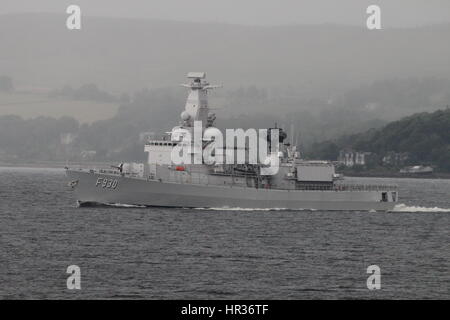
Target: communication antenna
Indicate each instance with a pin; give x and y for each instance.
(292, 134)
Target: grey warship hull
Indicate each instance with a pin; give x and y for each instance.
(90, 187)
(191, 167)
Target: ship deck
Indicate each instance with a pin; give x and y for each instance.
(337, 186)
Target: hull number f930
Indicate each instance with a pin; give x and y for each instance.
(106, 183)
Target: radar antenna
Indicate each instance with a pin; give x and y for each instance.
(196, 108)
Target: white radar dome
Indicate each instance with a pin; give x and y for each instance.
(185, 116)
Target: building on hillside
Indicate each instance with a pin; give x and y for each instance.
(88, 154)
(145, 136)
(395, 159)
(67, 138)
(350, 158)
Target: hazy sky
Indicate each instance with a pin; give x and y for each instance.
(395, 13)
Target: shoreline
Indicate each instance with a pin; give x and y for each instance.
(53, 164)
(439, 175)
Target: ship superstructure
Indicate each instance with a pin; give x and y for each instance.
(295, 184)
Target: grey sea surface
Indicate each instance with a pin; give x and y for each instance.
(158, 253)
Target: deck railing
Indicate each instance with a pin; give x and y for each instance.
(365, 187)
(349, 187)
(308, 187)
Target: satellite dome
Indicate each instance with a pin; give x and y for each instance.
(185, 116)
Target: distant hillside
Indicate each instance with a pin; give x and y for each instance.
(32, 105)
(323, 80)
(424, 137)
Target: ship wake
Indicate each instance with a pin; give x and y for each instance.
(405, 208)
(249, 209)
(115, 205)
(398, 208)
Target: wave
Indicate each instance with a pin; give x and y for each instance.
(123, 205)
(398, 208)
(250, 209)
(116, 205)
(404, 208)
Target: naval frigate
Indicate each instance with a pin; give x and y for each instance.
(297, 184)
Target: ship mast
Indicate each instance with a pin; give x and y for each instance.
(196, 108)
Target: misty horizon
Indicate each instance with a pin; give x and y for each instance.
(400, 14)
(435, 24)
(326, 75)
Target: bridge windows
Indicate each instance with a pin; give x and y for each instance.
(165, 144)
(394, 196)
